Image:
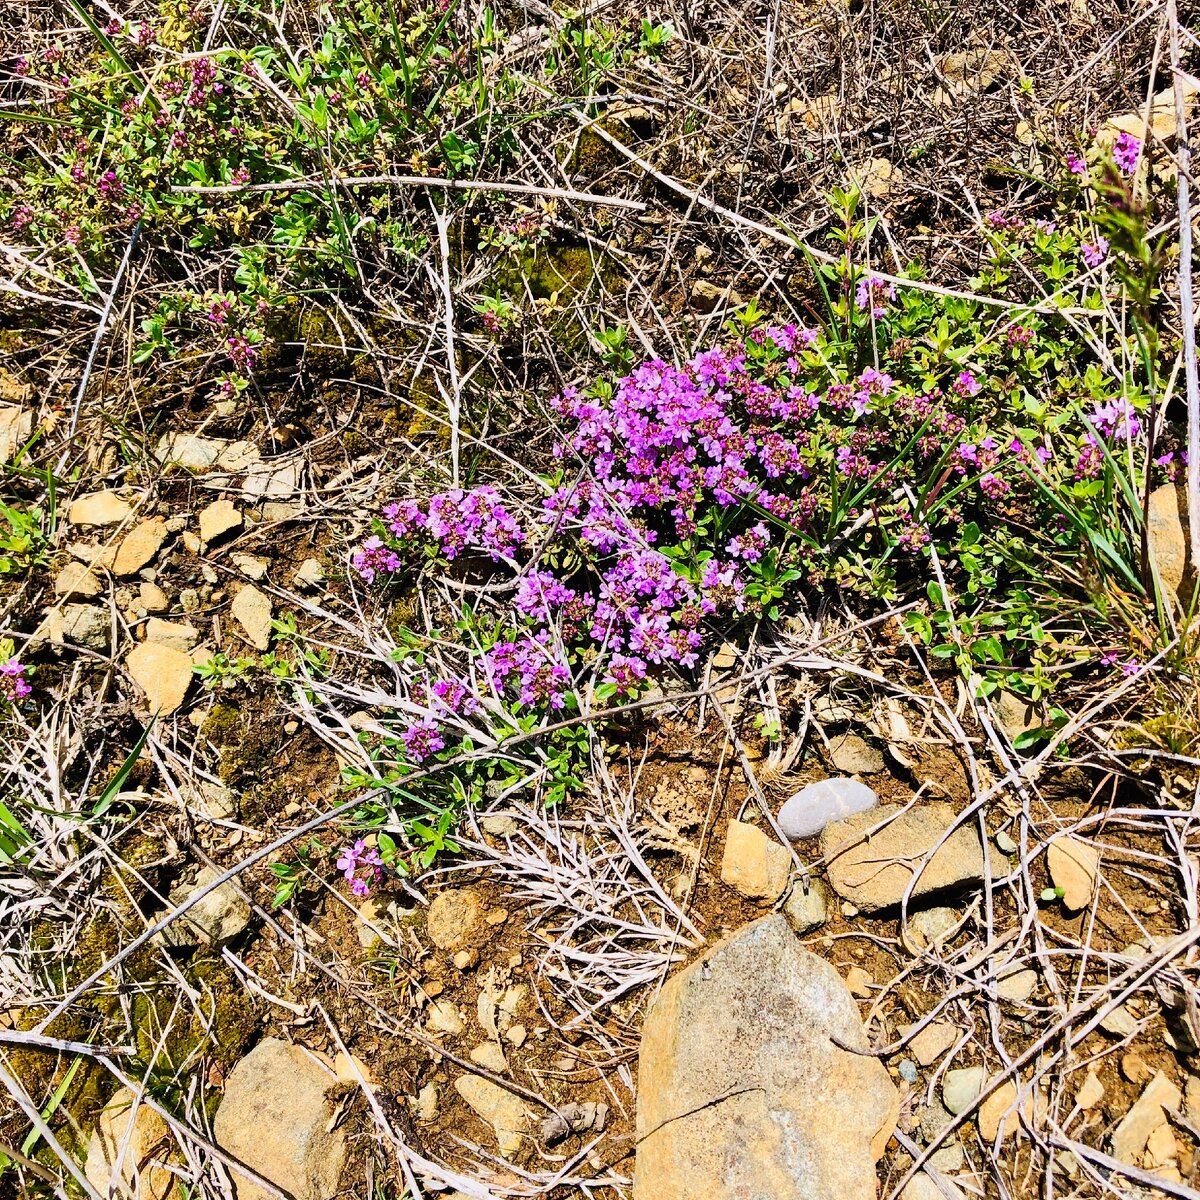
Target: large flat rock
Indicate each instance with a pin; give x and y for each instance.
(742, 1091)
(873, 872)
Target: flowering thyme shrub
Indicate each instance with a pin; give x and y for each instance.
(984, 460)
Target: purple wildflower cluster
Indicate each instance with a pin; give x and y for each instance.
(14, 686)
(1126, 151)
(361, 867)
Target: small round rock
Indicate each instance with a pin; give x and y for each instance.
(818, 804)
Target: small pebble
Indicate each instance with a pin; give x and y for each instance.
(961, 1087)
(908, 1070)
(464, 960)
(860, 982)
(1005, 843)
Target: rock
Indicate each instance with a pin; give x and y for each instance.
(1120, 1022)
(348, 1068)
(490, 1056)
(498, 1107)
(139, 547)
(705, 296)
(275, 1119)
(874, 873)
(807, 908)
(921, 1187)
(742, 1090)
(1016, 715)
(153, 599)
(252, 611)
(1091, 1091)
(174, 634)
(859, 982)
(574, 1119)
(427, 1103)
(853, 756)
(1131, 1135)
(273, 481)
(994, 1117)
(85, 626)
(196, 453)
(163, 673)
(1135, 1068)
(931, 925)
(515, 1035)
(76, 582)
(968, 71)
(960, 1087)
(754, 864)
(1167, 533)
(1017, 986)
(99, 508)
(444, 1018)
(250, 565)
(16, 424)
(1073, 865)
(309, 575)
(216, 919)
(499, 825)
(879, 177)
(219, 518)
(464, 960)
(815, 806)
(1164, 116)
(1005, 843)
(455, 918)
(933, 1043)
(139, 1140)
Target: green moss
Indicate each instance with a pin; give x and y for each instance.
(223, 725)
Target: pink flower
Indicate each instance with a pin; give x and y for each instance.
(1094, 253)
(1126, 152)
(13, 684)
(874, 293)
(1076, 165)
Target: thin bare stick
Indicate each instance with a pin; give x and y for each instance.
(428, 181)
(1186, 309)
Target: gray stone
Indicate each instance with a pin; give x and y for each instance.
(16, 424)
(85, 626)
(854, 756)
(873, 873)
(216, 919)
(961, 1087)
(175, 634)
(1017, 986)
(929, 926)
(76, 582)
(807, 908)
(816, 805)
(742, 1088)
(444, 1018)
(276, 1119)
(1016, 714)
